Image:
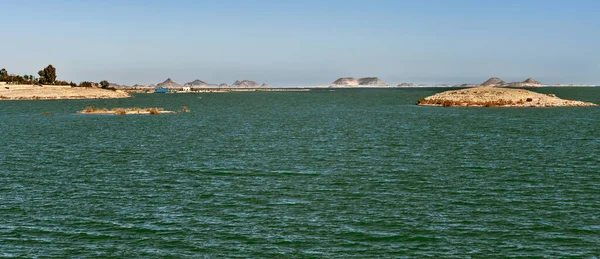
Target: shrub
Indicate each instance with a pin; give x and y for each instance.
(154, 111)
(91, 109)
(86, 84)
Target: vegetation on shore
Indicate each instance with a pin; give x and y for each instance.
(46, 76)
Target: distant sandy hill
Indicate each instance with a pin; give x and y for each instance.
(371, 81)
(118, 86)
(245, 84)
(346, 81)
(497, 82)
(406, 85)
(365, 81)
(168, 84)
(494, 81)
(529, 82)
(196, 84)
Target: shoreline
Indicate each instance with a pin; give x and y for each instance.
(50, 92)
(308, 88)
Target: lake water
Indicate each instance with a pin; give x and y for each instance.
(344, 173)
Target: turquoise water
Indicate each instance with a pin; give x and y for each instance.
(344, 173)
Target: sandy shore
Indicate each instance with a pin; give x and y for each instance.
(485, 96)
(28, 92)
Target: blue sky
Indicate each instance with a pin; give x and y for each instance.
(307, 42)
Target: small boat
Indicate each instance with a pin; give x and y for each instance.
(161, 90)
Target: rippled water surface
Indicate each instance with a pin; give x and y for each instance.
(344, 173)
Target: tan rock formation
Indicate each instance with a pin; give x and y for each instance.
(485, 96)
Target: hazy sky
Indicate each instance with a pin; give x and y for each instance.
(304, 42)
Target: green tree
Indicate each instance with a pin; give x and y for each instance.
(86, 84)
(104, 84)
(3, 72)
(47, 75)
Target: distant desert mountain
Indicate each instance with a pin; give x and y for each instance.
(168, 84)
(264, 85)
(494, 81)
(406, 85)
(224, 85)
(531, 81)
(365, 81)
(118, 86)
(346, 81)
(245, 84)
(371, 81)
(196, 84)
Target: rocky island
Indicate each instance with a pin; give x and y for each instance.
(487, 96)
(128, 111)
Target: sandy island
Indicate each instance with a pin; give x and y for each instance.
(128, 111)
(485, 96)
(48, 92)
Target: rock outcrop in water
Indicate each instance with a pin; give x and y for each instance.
(245, 84)
(168, 84)
(487, 96)
(365, 81)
